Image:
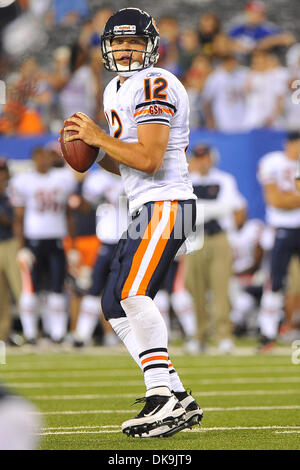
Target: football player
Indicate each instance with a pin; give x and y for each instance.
(20, 422)
(276, 173)
(148, 114)
(249, 271)
(103, 191)
(173, 293)
(40, 198)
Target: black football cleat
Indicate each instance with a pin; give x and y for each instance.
(159, 410)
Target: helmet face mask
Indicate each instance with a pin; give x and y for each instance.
(130, 22)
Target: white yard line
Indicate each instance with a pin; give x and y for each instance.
(130, 372)
(73, 363)
(100, 351)
(257, 408)
(116, 426)
(133, 395)
(109, 426)
(134, 383)
(105, 430)
(287, 432)
(80, 432)
(132, 411)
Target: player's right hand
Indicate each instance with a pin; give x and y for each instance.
(26, 258)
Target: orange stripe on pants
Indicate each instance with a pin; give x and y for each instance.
(159, 249)
(136, 262)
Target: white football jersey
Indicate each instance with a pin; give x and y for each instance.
(105, 191)
(277, 168)
(244, 242)
(153, 95)
(45, 197)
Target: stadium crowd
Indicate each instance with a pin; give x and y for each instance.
(239, 77)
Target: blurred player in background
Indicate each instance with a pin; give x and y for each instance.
(147, 110)
(209, 269)
(20, 423)
(9, 11)
(81, 248)
(101, 190)
(173, 294)
(246, 283)
(276, 173)
(40, 199)
(289, 330)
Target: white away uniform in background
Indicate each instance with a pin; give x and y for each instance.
(276, 168)
(44, 197)
(104, 191)
(244, 243)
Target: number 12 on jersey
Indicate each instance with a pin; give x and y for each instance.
(156, 91)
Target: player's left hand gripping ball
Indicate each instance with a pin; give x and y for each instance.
(74, 137)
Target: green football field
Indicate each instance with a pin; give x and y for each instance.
(250, 401)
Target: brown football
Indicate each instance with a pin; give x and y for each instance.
(79, 155)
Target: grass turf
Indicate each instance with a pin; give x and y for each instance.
(250, 401)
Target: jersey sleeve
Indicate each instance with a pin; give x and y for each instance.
(155, 100)
(267, 171)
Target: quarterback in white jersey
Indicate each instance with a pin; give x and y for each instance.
(40, 198)
(147, 111)
(277, 172)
